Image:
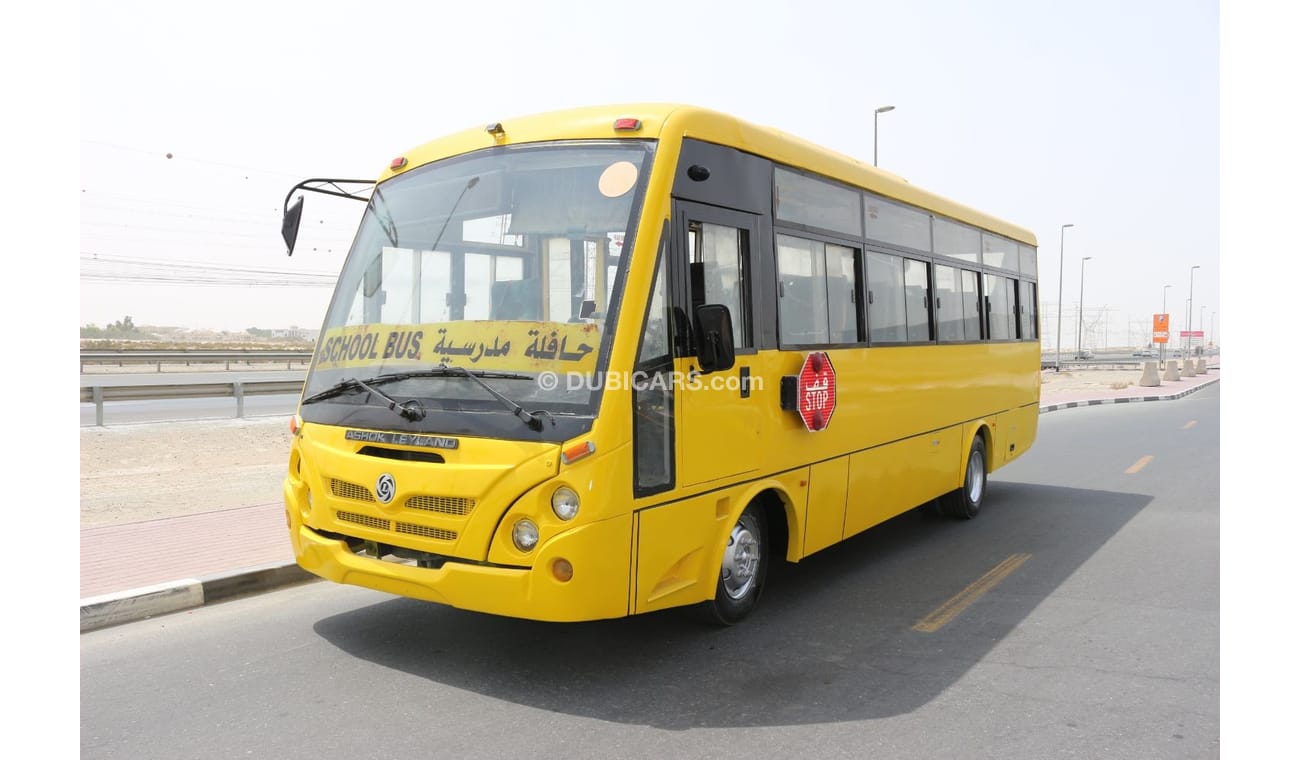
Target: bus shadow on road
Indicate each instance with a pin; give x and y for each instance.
(833, 639)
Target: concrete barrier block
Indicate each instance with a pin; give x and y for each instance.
(1171, 371)
(1150, 375)
(1189, 368)
(1200, 366)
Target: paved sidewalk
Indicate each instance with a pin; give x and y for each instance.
(139, 570)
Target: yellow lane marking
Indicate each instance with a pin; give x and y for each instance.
(1139, 464)
(969, 595)
(1189, 425)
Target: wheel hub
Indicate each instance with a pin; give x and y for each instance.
(975, 476)
(740, 561)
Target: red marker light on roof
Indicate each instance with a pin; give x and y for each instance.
(397, 163)
(627, 125)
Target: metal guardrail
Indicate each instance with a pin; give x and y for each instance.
(196, 356)
(238, 389)
(1094, 363)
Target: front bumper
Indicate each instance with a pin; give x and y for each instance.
(599, 552)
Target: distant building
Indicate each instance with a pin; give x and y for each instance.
(295, 333)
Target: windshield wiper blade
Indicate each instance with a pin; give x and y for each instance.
(472, 182)
(411, 409)
(385, 218)
(532, 419)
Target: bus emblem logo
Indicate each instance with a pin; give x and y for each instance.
(385, 488)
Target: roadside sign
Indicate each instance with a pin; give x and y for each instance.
(1160, 329)
(816, 391)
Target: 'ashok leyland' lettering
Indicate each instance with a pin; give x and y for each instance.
(402, 439)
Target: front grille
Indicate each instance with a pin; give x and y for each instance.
(427, 532)
(366, 520)
(447, 505)
(346, 490)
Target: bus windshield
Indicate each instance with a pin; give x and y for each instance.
(506, 263)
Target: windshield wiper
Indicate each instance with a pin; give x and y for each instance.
(385, 218)
(472, 182)
(412, 409)
(532, 419)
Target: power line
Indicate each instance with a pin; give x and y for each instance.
(171, 157)
(97, 268)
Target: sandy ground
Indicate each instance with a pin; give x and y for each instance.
(1089, 380)
(140, 472)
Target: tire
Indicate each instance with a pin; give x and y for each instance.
(964, 503)
(743, 571)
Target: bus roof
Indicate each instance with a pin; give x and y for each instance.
(664, 120)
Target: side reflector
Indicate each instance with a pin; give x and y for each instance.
(562, 569)
(574, 453)
(295, 424)
(397, 163)
(627, 125)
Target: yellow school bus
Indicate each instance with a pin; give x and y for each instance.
(599, 362)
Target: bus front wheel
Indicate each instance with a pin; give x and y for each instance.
(964, 503)
(743, 571)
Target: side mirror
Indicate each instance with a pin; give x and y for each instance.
(289, 227)
(715, 346)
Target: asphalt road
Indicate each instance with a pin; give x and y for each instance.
(1096, 635)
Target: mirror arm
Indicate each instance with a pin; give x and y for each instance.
(333, 187)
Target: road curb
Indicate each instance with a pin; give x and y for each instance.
(187, 593)
(1125, 399)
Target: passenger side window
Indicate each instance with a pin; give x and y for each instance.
(816, 292)
(970, 305)
(1028, 310)
(916, 282)
(886, 311)
(948, 316)
(898, 299)
(1001, 301)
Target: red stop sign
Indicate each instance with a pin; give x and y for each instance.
(816, 389)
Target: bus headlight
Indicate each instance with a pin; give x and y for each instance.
(524, 535)
(564, 502)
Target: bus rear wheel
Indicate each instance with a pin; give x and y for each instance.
(964, 503)
(743, 571)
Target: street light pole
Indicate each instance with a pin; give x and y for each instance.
(875, 134)
(1060, 304)
(1190, 283)
(1081, 263)
(1164, 309)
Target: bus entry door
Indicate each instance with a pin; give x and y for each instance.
(718, 423)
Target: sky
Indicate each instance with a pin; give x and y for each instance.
(1163, 131)
(1100, 115)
